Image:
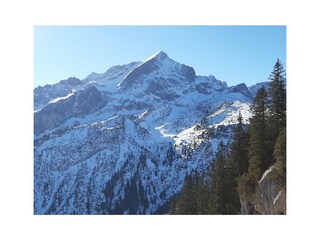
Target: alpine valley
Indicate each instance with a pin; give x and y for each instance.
(122, 142)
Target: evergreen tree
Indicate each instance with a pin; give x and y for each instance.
(224, 196)
(277, 101)
(232, 201)
(239, 149)
(202, 195)
(218, 184)
(259, 155)
(218, 192)
(187, 202)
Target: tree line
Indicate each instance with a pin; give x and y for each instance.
(237, 167)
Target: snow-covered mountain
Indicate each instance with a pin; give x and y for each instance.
(122, 142)
(254, 88)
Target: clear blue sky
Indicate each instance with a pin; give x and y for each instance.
(234, 54)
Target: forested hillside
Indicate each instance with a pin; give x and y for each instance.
(248, 175)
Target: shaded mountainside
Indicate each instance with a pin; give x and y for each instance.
(123, 141)
(43, 95)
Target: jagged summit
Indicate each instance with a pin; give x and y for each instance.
(160, 55)
(158, 66)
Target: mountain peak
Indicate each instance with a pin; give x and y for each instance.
(160, 55)
(161, 67)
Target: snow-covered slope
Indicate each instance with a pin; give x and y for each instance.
(124, 141)
(48, 93)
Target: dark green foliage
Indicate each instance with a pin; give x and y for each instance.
(186, 202)
(232, 201)
(202, 195)
(269, 117)
(218, 186)
(224, 196)
(214, 193)
(228, 195)
(239, 149)
(259, 154)
(280, 157)
(246, 186)
(277, 101)
(266, 144)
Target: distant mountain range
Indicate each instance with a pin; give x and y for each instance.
(122, 142)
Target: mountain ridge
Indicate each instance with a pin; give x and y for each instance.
(114, 78)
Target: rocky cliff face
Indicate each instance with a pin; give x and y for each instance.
(76, 105)
(268, 197)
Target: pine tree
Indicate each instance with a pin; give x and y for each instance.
(232, 201)
(186, 203)
(218, 187)
(259, 154)
(202, 194)
(224, 196)
(277, 101)
(259, 159)
(239, 148)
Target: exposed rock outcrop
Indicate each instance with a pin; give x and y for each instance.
(268, 198)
